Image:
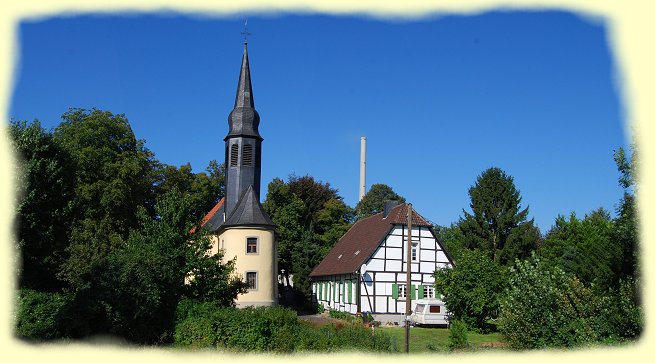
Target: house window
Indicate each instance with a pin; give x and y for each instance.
(251, 245)
(428, 291)
(234, 155)
(399, 291)
(251, 280)
(414, 251)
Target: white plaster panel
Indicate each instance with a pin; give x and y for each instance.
(365, 305)
(427, 255)
(393, 265)
(397, 230)
(427, 243)
(428, 279)
(375, 265)
(381, 304)
(400, 306)
(386, 276)
(441, 257)
(394, 253)
(425, 232)
(381, 288)
(394, 241)
(427, 267)
(378, 253)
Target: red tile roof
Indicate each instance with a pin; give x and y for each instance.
(362, 239)
(210, 214)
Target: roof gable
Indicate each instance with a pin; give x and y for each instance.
(362, 239)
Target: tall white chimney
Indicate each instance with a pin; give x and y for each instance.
(362, 168)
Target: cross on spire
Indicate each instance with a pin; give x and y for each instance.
(245, 32)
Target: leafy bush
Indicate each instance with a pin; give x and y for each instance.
(458, 338)
(266, 329)
(340, 315)
(547, 308)
(472, 289)
(38, 315)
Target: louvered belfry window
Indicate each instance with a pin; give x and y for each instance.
(246, 158)
(234, 155)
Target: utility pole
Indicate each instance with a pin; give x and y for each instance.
(408, 289)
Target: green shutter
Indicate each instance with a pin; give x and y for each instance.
(421, 291)
(325, 290)
(350, 291)
(394, 291)
(412, 291)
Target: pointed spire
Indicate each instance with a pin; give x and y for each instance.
(244, 119)
(244, 89)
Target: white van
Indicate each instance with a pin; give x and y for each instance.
(429, 312)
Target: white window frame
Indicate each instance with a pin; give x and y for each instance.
(250, 287)
(402, 291)
(256, 246)
(415, 252)
(428, 291)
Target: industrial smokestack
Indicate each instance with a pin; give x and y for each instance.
(362, 168)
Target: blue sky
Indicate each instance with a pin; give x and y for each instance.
(440, 99)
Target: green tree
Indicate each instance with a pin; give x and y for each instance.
(205, 188)
(583, 248)
(498, 225)
(135, 290)
(452, 238)
(46, 186)
(472, 288)
(626, 231)
(310, 217)
(547, 308)
(373, 201)
(113, 172)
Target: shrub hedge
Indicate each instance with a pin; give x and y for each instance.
(267, 329)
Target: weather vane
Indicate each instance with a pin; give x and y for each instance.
(245, 32)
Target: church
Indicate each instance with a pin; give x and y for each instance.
(238, 224)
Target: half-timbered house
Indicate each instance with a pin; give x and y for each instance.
(366, 270)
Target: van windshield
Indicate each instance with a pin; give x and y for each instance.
(419, 308)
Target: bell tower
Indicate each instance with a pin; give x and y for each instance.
(243, 155)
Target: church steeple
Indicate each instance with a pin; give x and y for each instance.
(243, 142)
(244, 119)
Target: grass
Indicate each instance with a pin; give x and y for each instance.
(423, 340)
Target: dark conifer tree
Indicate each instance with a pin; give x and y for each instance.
(498, 225)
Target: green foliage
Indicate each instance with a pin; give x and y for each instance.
(37, 315)
(46, 185)
(113, 179)
(452, 238)
(266, 329)
(547, 308)
(340, 314)
(472, 289)
(458, 338)
(310, 217)
(583, 248)
(373, 201)
(204, 189)
(134, 291)
(498, 225)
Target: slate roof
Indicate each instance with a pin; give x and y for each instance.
(362, 239)
(249, 212)
(244, 119)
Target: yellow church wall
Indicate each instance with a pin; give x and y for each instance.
(263, 262)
